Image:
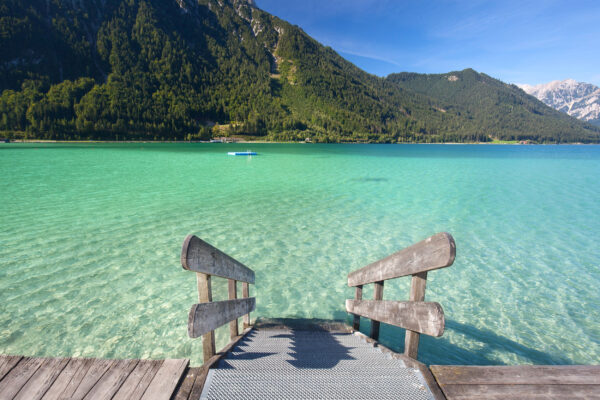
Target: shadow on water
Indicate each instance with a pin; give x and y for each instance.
(489, 346)
(369, 179)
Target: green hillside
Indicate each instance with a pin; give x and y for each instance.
(502, 111)
(185, 69)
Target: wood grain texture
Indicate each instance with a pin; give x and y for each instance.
(437, 251)
(206, 317)
(166, 379)
(76, 368)
(184, 390)
(417, 293)
(90, 379)
(518, 375)
(108, 385)
(93, 375)
(199, 256)
(7, 363)
(43, 378)
(205, 296)
(419, 316)
(137, 382)
(521, 392)
(18, 377)
(246, 294)
(233, 325)
(377, 295)
(357, 296)
(519, 382)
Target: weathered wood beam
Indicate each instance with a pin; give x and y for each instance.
(7, 363)
(521, 392)
(199, 256)
(205, 296)
(233, 325)
(417, 293)
(165, 381)
(246, 294)
(206, 317)
(137, 382)
(14, 381)
(418, 316)
(437, 251)
(357, 296)
(518, 374)
(377, 295)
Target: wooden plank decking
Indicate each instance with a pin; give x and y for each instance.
(30, 378)
(78, 378)
(518, 382)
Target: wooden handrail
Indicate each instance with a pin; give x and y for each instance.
(206, 316)
(437, 251)
(418, 316)
(415, 315)
(199, 256)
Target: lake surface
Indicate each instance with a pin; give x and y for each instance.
(90, 238)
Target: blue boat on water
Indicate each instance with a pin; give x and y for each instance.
(241, 153)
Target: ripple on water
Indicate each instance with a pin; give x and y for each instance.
(89, 249)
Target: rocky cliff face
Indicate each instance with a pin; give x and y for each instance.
(578, 99)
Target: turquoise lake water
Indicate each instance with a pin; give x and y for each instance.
(90, 238)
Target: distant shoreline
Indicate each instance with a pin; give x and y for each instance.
(275, 142)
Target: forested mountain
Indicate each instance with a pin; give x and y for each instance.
(172, 69)
(501, 110)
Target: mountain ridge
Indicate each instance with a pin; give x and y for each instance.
(187, 70)
(482, 97)
(577, 99)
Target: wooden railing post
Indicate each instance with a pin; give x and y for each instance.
(206, 316)
(246, 294)
(417, 293)
(205, 296)
(377, 295)
(233, 325)
(357, 296)
(416, 315)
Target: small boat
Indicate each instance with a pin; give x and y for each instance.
(242, 153)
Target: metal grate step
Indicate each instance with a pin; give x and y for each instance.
(290, 364)
(222, 384)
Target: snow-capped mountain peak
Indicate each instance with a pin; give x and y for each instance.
(578, 99)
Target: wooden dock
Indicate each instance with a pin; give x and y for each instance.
(519, 382)
(300, 359)
(29, 378)
(416, 315)
(73, 378)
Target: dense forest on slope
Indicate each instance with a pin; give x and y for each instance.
(501, 110)
(193, 69)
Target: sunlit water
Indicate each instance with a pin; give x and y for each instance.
(90, 238)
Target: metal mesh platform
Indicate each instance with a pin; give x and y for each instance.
(298, 364)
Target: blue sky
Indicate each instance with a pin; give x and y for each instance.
(515, 41)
